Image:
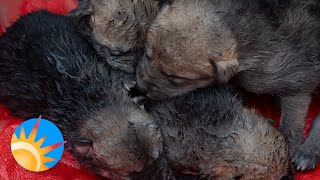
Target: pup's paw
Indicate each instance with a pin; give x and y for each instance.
(304, 160)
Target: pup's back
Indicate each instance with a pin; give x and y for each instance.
(210, 133)
(42, 59)
(207, 133)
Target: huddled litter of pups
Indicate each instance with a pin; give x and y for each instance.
(150, 89)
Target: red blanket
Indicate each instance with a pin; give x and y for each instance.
(67, 167)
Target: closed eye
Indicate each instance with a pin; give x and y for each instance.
(120, 53)
(148, 57)
(176, 80)
(177, 77)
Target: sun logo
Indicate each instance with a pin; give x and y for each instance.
(41, 149)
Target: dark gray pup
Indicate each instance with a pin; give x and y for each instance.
(210, 134)
(47, 68)
(265, 47)
(46, 63)
(207, 134)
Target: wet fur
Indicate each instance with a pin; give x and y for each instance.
(48, 68)
(267, 47)
(206, 141)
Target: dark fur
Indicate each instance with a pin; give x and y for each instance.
(309, 151)
(47, 68)
(210, 134)
(270, 47)
(207, 134)
(44, 60)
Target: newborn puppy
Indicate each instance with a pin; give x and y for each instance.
(48, 68)
(46, 63)
(120, 141)
(207, 134)
(117, 28)
(210, 134)
(267, 47)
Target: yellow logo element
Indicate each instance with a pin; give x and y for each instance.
(29, 153)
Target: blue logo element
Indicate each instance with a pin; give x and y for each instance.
(37, 144)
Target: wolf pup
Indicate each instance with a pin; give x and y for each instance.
(267, 47)
(206, 134)
(117, 28)
(47, 67)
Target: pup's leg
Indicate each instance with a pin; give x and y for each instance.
(293, 113)
(308, 154)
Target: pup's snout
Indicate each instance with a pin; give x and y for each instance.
(84, 147)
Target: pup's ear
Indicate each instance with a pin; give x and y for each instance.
(149, 136)
(225, 65)
(225, 70)
(83, 10)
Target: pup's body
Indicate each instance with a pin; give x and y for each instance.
(46, 62)
(207, 134)
(267, 47)
(44, 65)
(48, 68)
(210, 134)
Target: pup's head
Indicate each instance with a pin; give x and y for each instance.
(188, 46)
(118, 28)
(119, 142)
